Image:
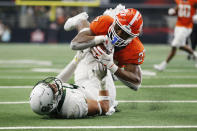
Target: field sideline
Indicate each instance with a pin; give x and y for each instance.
(166, 101)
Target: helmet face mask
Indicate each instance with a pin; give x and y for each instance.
(118, 40)
(45, 96)
(129, 22)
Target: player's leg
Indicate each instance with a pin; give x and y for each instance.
(77, 22)
(171, 54)
(162, 66)
(194, 37)
(180, 35)
(84, 76)
(187, 49)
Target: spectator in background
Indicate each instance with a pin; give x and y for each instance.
(60, 16)
(41, 16)
(1, 29)
(6, 36)
(27, 19)
(185, 11)
(53, 33)
(37, 36)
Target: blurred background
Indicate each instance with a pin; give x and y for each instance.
(41, 21)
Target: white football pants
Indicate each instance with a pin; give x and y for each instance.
(84, 76)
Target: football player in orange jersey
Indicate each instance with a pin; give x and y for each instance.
(120, 31)
(185, 11)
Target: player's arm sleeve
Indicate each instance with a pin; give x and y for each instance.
(101, 24)
(69, 69)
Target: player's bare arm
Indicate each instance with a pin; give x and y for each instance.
(131, 75)
(85, 39)
(100, 107)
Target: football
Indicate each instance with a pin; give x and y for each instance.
(101, 46)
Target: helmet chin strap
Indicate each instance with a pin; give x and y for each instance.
(129, 40)
(115, 39)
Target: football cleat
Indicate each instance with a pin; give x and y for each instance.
(71, 23)
(160, 67)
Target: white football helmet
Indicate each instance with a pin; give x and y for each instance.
(43, 99)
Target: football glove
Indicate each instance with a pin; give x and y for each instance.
(100, 71)
(105, 59)
(171, 11)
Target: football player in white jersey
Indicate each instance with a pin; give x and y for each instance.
(61, 100)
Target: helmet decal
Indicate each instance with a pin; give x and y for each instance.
(46, 95)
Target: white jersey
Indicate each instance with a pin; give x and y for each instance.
(85, 77)
(74, 105)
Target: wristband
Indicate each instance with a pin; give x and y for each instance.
(99, 39)
(104, 98)
(113, 68)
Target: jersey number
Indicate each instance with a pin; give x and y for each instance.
(141, 56)
(184, 10)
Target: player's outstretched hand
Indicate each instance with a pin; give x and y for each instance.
(105, 59)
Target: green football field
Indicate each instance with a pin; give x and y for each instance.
(166, 101)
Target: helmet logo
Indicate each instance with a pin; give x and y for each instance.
(46, 108)
(115, 39)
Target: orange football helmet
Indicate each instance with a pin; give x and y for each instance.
(128, 20)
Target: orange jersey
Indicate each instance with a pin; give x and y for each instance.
(133, 53)
(186, 10)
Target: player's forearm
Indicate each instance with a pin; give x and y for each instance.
(100, 106)
(128, 76)
(130, 79)
(104, 100)
(67, 72)
(85, 41)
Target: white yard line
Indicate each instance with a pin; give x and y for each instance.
(95, 127)
(170, 77)
(159, 101)
(144, 77)
(16, 102)
(164, 86)
(119, 101)
(121, 86)
(15, 87)
(26, 61)
(23, 77)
